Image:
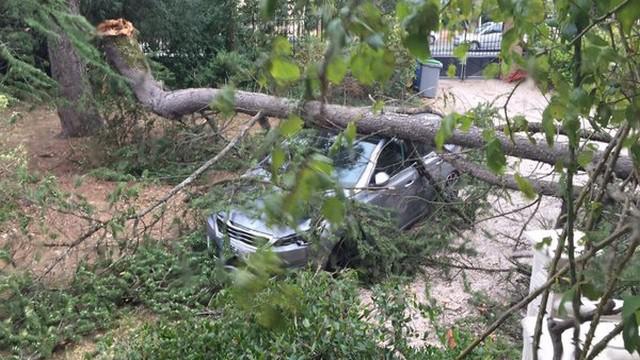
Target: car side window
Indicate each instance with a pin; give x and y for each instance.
(391, 159)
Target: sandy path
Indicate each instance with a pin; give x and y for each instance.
(494, 240)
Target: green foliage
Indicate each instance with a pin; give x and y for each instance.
(631, 319)
(418, 19)
(4, 102)
(35, 319)
(318, 316)
(496, 160)
(525, 186)
(227, 67)
(380, 250)
(14, 177)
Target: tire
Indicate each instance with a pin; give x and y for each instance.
(343, 255)
(432, 39)
(450, 190)
(474, 46)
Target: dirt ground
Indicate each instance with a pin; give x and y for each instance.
(498, 239)
(495, 240)
(69, 160)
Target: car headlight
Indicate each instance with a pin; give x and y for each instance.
(291, 239)
(220, 225)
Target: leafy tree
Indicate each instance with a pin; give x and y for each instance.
(68, 51)
(592, 91)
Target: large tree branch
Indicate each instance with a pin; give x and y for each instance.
(536, 127)
(542, 187)
(124, 53)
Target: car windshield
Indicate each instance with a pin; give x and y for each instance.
(349, 162)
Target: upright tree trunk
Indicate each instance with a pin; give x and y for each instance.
(78, 113)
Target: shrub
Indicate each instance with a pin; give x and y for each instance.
(302, 314)
(35, 319)
(226, 67)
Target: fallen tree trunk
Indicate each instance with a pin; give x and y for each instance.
(542, 187)
(124, 53)
(536, 128)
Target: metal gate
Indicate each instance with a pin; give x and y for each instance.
(484, 48)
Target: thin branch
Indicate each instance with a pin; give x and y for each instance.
(177, 189)
(535, 293)
(609, 291)
(596, 21)
(602, 344)
(536, 127)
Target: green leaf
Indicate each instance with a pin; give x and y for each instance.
(277, 160)
(628, 15)
(451, 70)
(634, 150)
(350, 132)
(496, 160)
(548, 126)
(281, 47)
(4, 102)
(321, 164)
(465, 122)
(571, 125)
(333, 210)
(378, 106)
(546, 241)
(631, 305)
(585, 158)
(461, 51)
(337, 69)
(225, 102)
(418, 46)
(268, 8)
(534, 11)
(361, 69)
(465, 6)
(630, 334)
(508, 39)
(291, 126)
(520, 123)
(402, 10)
(525, 186)
(447, 125)
(566, 296)
(590, 291)
(284, 70)
(491, 71)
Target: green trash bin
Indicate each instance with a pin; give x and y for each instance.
(429, 75)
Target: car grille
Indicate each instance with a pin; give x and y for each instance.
(236, 232)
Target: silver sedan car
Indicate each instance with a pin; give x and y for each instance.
(393, 174)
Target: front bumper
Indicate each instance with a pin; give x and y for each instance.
(292, 255)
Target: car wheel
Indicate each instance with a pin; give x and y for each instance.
(343, 255)
(474, 46)
(450, 190)
(432, 39)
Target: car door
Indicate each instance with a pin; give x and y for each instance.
(403, 192)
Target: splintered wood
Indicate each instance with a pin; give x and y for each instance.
(116, 27)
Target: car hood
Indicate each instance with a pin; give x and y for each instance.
(252, 216)
(256, 220)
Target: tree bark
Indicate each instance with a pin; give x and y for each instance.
(123, 52)
(77, 110)
(542, 187)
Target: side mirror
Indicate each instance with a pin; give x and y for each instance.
(381, 178)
